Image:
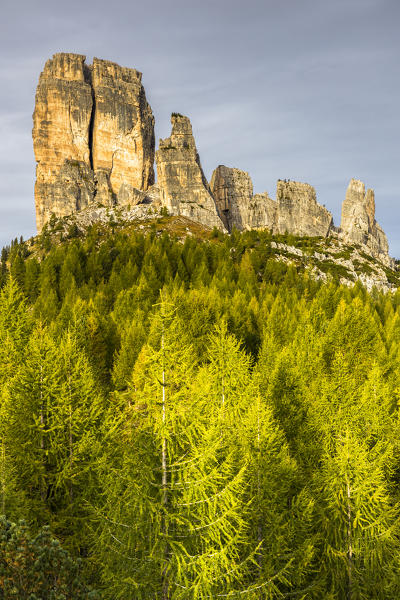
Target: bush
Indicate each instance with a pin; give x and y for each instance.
(37, 567)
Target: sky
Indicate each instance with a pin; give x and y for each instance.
(307, 90)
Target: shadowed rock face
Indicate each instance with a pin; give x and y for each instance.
(232, 190)
(358, 224)
(233, 193)
(183, 188)
(93, 136)
(295, 210)
(298, 211)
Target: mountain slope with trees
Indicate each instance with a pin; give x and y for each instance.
(193, 418)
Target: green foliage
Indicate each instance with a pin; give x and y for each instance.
(194, 419)
(36, 567)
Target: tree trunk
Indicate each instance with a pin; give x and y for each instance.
(164, 479)
(43, 491)
(349, 544)
(3, 478)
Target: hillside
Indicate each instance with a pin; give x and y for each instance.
(199, 386)
(322, 258)
(191, 410)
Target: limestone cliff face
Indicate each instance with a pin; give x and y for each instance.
(63, 108)
(298, 211)
(183, 188)
(232, 190)
(233, 193)
(358, 224)
(263, 212)
(93, 136)
(295, 210)
(123, 130)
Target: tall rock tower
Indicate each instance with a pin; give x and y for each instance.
(183, 187)
(123, 129)
(93, 136)
(61, 122)
(358, 224)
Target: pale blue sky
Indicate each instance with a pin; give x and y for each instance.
(301, 89)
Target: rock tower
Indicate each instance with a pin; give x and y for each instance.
(93, 135)
(295, 209)
(183, 187)
(358, 224)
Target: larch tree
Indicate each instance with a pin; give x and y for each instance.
(53, 409)
(173, 524)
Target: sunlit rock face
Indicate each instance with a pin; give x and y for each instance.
(298, 211)
(63, 109)
(358, 224)
(123, 129)
(183, 187)
(93, 136)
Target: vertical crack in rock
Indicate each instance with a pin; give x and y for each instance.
(82, 115)
(63, 105)
(91, 121)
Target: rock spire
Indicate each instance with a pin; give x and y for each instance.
(358, 224)
(183, 187)
(93, 135)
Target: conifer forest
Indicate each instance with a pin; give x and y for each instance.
(191, 419)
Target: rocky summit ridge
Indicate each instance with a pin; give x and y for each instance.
(94, 144)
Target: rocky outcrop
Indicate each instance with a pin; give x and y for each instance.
(233, 193)
(63, 108)
(183, 188)
(123, 130)
(358, 224)
(298, 211)
(262, 212)
(295, 210)
(93, 136)
(232, 190)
